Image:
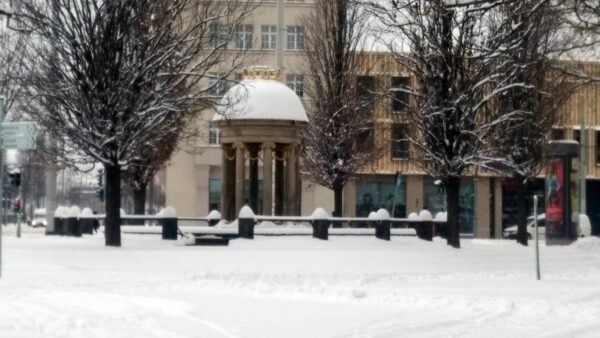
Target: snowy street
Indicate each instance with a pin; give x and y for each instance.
(295, 287)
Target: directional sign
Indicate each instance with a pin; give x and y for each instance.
(19, 135)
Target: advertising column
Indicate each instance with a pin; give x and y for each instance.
(561, 193)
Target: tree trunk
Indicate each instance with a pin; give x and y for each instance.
(112, 202)
(338, 192)
(521, 209)
(452, 196)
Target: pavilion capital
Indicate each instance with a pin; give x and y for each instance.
(238, 145)
(267, 145)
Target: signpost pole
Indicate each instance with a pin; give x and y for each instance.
(537, 235)
(1, 181)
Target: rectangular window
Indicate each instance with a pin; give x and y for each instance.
(296, 83)
(244, 36)
(218, 35)
(400, 96)
(268, 37)
(365, 90)
(214, 136)
(400, 141)
(557, 134)
(366, 137)
(295, 37)
(577, 135)
(214, 194)
(598, 148)
(434, 200)
(217, 84)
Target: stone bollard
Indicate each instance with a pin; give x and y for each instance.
(382, 229)
(72, 221)
(214, 217)
(86, 221)
(440, 226)
(425, 227)
(246, 221)
(58, 223)
(169, 223)
(320, 223)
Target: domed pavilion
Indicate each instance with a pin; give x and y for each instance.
(261, 120)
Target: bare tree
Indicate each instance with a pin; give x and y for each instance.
(115, 76)
(141, 172)
(12, 67)
(340, 114)
(534, 95)
(451, 54)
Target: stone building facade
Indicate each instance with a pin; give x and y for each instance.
(192, 180)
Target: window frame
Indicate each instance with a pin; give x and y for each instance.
(597, 152)
(398, 105)
(296, 83)
(214, 136)
(295, 37)
(268, 39)
(244, 36)
(395, 141)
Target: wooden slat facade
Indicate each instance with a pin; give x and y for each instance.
(383, 67)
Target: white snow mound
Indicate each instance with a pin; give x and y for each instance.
(86, 212)
(425, 215)
(168, 212)
(441, 216)
(320, 213)
(246, 212)
(73, 212)
(383, 214)
(214, 214)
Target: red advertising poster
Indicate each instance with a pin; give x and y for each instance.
(555, 179)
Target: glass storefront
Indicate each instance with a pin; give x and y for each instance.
(509, 200)
(434, 200)
(371, 195)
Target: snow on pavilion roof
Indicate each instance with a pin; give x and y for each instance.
(261, 98)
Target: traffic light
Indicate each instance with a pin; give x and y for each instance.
(15, 179)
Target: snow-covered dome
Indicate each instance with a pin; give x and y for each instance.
(260, 96)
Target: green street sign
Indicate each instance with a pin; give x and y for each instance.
(19, 135)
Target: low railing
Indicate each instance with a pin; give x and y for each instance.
(72, 222)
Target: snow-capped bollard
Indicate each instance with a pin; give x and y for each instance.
(382, 228)
(440, 226)
(373, 220)
(214, 217)
(425, 227)
(169, 223)
(59, 224)
(246, 220)
(73, 222)
(320, 223)
(86, 221)
(56, 222)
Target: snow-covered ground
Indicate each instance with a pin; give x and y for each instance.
(284, 287)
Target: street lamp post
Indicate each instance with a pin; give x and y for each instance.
(582, 159)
